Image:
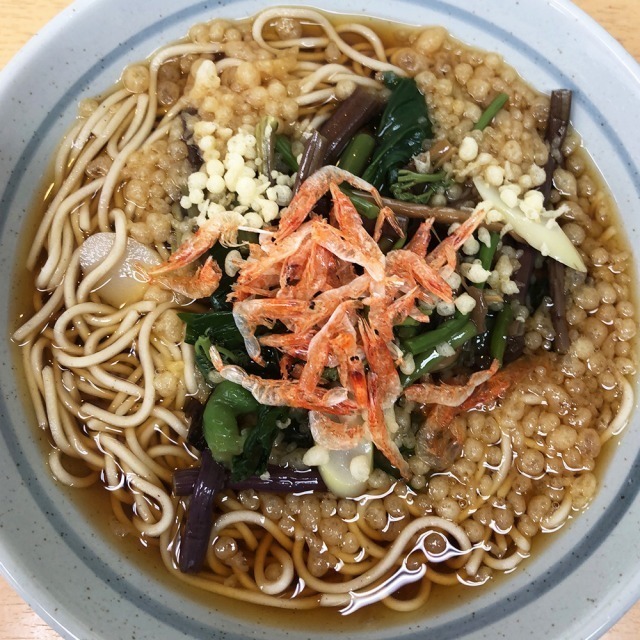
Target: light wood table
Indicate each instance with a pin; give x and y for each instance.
(20, 19)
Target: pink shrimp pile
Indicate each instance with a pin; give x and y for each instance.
(338, 297)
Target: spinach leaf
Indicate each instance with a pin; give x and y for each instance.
(219, 297)
(283, 149)
(218, 326)
(257, 446)
(201, 348)
(403, 127)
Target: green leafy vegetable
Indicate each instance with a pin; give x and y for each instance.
(409, 322)
(404, 333)
(283, 149)
(203, 362)
(220, 420)
(219, 297)
(219, 328)
(330, 374)
(487, 253)
(403, 127)
(475, 353)
(407, 182)
(258, 444)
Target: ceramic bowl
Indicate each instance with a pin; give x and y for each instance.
(54, 550)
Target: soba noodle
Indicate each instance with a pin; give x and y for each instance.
(110, 382)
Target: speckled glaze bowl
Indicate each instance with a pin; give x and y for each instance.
(52, 548)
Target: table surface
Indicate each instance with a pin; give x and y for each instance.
(20, 19)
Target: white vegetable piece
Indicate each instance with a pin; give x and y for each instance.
(465, 303)
(346, 472)
(316, 456)
(545, 234)
(468, 149)
(123, 283)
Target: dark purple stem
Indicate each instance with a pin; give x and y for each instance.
(558, 309)
(280, 480)
(522, 276)
(479, 313)
(312, 158)
(184, 480)
(347, 119)
(193, 546)
(557, 126)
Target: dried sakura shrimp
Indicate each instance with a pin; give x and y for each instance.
(333, 298)
(204, 281)
(439, 441)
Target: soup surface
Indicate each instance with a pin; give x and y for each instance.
(335, 312)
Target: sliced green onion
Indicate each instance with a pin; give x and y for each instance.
(431, 339)
(363, 206)
(430, 360)
(487, 253)
(491, 111)
(498, 342)
(410, 322)
(356, 156)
